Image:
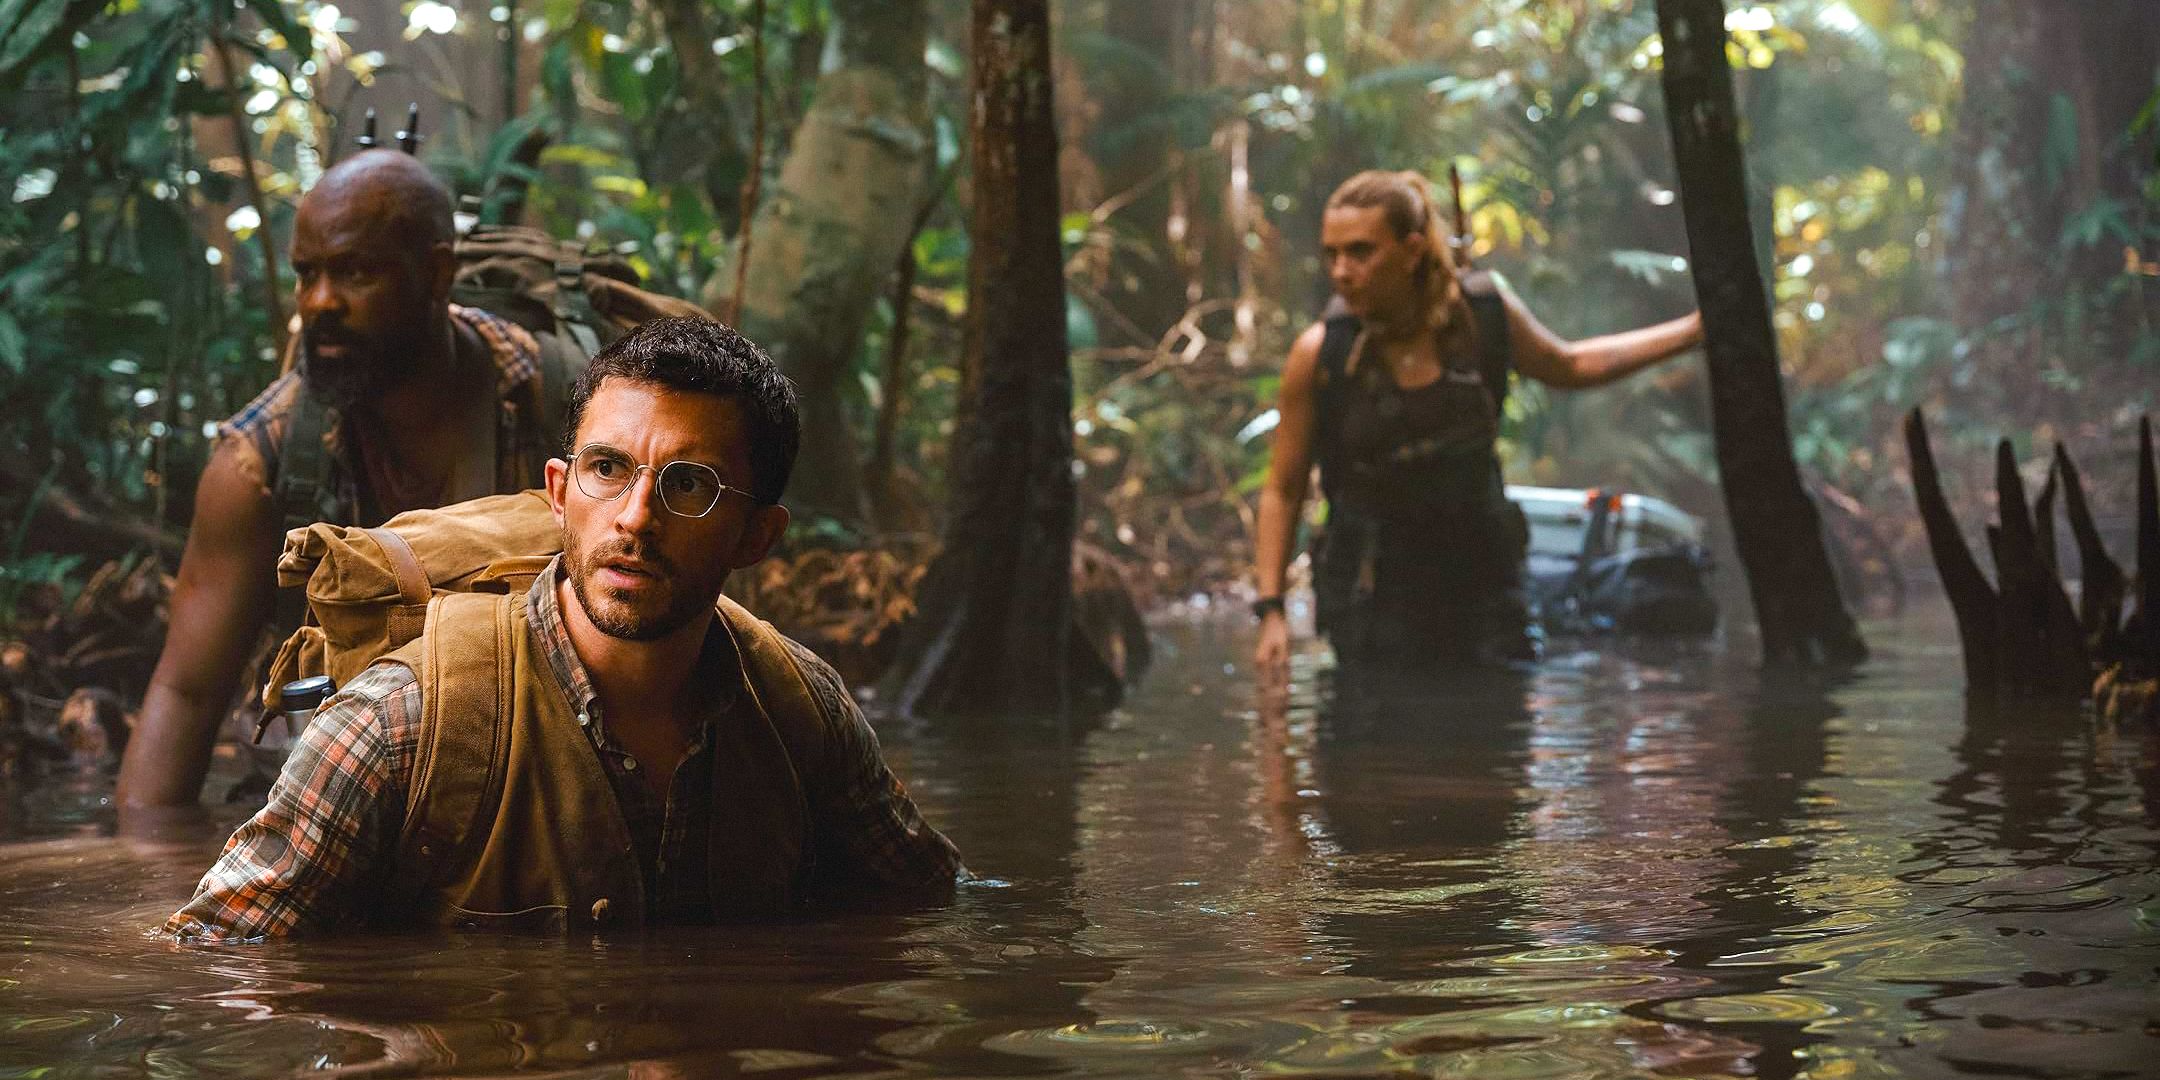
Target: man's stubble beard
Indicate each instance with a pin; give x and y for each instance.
(372, 364)
(618, 619)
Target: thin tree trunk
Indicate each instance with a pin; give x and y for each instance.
(755, 175)
(708, 125)
(1776, 527)
(892, 380)
(994, 632)
(243, 143)
(508, 37)
(832, 227)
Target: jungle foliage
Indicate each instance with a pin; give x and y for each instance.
(1199, 139)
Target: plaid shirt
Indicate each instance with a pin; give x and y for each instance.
(308, 860)
(261, 424)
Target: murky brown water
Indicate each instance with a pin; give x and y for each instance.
(1610, 868)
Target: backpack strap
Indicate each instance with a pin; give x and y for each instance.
(407, 619)
(562, 360)
(1336, 348)
(463, 662)
(1489, 310)
(303, 494)
(564, 352)
(574, 313)
(303, 480)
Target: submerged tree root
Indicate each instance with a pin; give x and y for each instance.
(2021, 636)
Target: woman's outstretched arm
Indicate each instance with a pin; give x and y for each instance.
(1594, 361)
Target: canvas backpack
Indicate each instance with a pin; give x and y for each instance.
(555, 288)
(367, 590)
(371, 591)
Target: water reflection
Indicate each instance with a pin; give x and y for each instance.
(1011, 959)
(1420, 782)
(1619, 864)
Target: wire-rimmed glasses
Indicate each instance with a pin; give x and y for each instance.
(687, 488)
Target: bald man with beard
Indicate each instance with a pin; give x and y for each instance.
(401, 400)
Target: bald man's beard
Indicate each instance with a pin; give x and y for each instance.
(364, 364)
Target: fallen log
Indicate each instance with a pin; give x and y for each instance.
(62, 520)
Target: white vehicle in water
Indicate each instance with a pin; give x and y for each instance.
(1610, 561)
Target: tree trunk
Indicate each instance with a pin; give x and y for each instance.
(1803, 621)
(833, 227)
(2041, 137)
(994, 631)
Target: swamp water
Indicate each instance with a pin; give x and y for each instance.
(1610, 867)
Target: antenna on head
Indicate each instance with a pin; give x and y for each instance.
(1462, 239)
(367, 139)
(408, 140)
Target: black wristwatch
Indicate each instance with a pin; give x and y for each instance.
(1266, 606)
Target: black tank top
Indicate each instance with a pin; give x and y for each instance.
(1419, 453)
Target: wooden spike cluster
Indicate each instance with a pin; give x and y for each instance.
(2021, 636)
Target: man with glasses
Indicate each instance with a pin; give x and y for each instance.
(651, 759)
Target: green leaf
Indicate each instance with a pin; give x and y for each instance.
(592, 157)
(169, 250)
(29, 26)
(2059, 149)
(273, 14)
(1420, 75)
(13, 344)
(2103, 219)
(149, 86)
(1648, 267)
(2146, 115)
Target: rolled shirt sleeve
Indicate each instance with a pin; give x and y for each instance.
(329, 826)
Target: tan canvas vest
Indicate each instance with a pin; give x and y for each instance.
(510, 820)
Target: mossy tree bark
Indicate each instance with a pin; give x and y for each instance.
(2045, 179)
(2050, 91)
(832, 227)
(1802, 618)
(994, 631)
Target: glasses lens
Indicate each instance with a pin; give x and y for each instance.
(689, 489)
(603, 472)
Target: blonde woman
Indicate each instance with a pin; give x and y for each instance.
(1396, 395)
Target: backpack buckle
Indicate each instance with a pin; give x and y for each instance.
(569, 278)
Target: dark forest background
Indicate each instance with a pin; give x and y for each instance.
(1958, 208)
